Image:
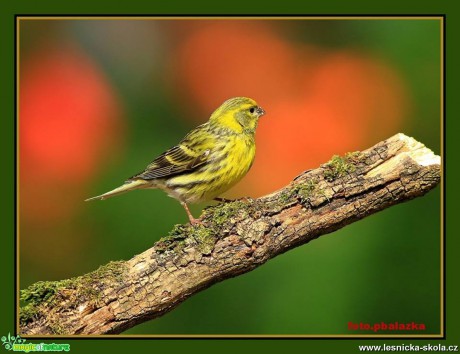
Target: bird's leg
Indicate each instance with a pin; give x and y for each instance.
(193, 221)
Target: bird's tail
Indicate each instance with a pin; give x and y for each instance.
(128, 186)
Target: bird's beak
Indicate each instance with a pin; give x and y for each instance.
(260, 111)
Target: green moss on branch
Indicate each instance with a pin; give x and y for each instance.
(40, 297)
(340, 166)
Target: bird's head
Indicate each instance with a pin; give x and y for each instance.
(239, 114)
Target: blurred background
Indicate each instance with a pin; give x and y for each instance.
(99, 99)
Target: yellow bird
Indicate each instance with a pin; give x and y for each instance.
(211, 159)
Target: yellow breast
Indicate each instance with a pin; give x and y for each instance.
(229, 161)
(240, 156)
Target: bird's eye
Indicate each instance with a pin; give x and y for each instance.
(252, 109)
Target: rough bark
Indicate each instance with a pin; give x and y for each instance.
(236, 238)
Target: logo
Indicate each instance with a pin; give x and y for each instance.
(18, 344)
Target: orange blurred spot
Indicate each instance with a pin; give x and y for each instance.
(68, 117)
(222, 60)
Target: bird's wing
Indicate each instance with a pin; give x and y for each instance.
(191, 153)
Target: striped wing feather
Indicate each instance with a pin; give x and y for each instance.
(189, 155)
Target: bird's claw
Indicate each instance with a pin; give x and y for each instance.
(196, 222)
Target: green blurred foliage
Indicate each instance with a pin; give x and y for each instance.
(383, 268)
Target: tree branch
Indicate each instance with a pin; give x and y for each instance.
(237, 237)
